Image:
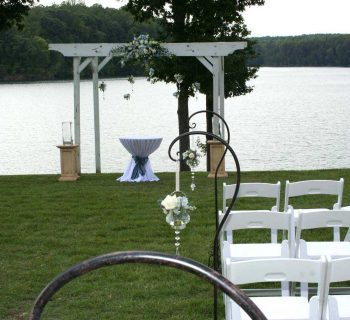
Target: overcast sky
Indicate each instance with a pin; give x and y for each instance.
(281, 17)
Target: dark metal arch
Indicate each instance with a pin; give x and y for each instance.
(214, 114)
(216, 238)
(222, 158)
(146, 257)
(234, 197)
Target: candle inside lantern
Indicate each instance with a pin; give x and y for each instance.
(67, 133)
(177, 176)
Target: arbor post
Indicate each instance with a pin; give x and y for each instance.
(76, 77)
(94, 65)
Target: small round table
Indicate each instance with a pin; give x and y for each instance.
(139, 168)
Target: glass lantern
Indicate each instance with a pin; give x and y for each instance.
(67, 133)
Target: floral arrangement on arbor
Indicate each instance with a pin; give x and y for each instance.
(142, 49)
(201, 146)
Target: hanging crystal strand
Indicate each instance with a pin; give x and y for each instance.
(193, 185)
(177, 242)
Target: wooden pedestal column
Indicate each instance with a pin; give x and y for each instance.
(69, 162)
(216, 151)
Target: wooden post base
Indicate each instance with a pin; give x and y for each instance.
(69, 162)
(216, 151)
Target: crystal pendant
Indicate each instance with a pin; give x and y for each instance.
(193, 185)
(178, 222)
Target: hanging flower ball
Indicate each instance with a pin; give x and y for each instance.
(178, 78)
(151, 72)
(102, 86)
(196, 86)
(131, 79)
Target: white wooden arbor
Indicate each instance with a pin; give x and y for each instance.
(210, 54)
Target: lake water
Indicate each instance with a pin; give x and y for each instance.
(296, 118)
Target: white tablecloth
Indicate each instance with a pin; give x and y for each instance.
(140, 147)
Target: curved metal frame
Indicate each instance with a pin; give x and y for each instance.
(238, 179)
(148, 257)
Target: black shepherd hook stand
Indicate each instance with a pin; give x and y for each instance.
(234, 197)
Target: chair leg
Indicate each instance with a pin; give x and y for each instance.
(336, 234)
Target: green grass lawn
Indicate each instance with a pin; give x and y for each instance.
(47, 226)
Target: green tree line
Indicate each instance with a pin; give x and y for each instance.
(24, 54)
(305, 50)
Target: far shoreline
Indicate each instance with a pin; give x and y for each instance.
(144, 77)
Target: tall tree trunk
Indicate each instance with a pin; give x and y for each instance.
(209, 107)
(182, 115)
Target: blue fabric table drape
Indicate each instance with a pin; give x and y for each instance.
(139, 167)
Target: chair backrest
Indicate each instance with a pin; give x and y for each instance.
(338, 271)
(312, 187)
(238, 220)
(259, 190)
(279, 270)
(321, 219)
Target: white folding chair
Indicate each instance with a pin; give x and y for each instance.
(255, 190)
(239, 220)
(322, 219)
(338, 305)
(277, 270)
(347, 236)
(314, 187)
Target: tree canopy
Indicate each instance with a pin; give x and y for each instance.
(12, 12)
(199, 21)
(24, 55)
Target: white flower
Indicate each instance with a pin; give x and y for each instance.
(178, 77)
(184, 202)
(196, 86)
(170, 202)
(191, 155)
